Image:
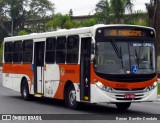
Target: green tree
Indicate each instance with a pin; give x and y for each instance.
(57, 21)
(153, 9)
(118, 9)
(40, 8)
(61, 21)
(129, 6)
(103, 11)
(138, 18)
(113, 11)
(18, 11)
(22, 32)
(70, 12)
(89, 22)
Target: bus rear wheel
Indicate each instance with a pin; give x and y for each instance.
(25, 91)
(123, 106)
(70, 99)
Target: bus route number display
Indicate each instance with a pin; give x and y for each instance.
(123, 33)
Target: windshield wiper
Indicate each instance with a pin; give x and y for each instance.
(117, 50)
(136, 56)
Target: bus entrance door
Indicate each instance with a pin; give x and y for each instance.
(39, 67)
(85, 69)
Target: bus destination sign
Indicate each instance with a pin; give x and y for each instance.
(125, 33)
(113, 32)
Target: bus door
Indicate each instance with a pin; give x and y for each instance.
(39, 67)
(85, 69)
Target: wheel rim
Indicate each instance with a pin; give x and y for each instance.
(24, 93)
(72, 97)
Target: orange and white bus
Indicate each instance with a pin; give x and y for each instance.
(98, 64)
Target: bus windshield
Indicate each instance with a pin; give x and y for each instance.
(125, 57)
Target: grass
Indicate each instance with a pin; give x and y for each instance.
(158, 88)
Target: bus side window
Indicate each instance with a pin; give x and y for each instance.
(61, 50)
(50, 50)
(8, 52)
(27, 51)
(72, 49)
(17, 51)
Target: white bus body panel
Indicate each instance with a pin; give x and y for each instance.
(7, 80)
(100, 96)
(13, 81)
(40, 79)
(51, 80)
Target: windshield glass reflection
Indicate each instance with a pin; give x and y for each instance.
(120, 57)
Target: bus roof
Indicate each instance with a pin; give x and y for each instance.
(64, 32)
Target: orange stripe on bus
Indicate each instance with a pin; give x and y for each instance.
(67, 73)
(121, 85)
(19, 69)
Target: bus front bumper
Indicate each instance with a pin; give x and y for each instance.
(98, 96)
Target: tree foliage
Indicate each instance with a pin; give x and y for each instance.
(88, 22)
(103, 11)
(59, 21)
(153, 9)
(20, 10)
(138, 18)
(129, 6)
(70, 12)
(118, 9)
(22, 32)
(112, 11)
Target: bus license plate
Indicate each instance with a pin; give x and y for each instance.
(129, 96)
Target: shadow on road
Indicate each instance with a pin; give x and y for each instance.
(86, 108)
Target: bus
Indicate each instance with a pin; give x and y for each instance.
(99, 64)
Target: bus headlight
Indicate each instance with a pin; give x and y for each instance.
(151, 87)
(102, 86)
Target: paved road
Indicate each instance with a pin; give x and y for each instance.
(11, 103)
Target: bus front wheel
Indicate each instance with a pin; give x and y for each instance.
(25, 91)
(70, 99)
(123, 106)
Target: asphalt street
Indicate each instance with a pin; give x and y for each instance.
(12, 103)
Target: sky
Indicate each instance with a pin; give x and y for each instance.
(86, 7)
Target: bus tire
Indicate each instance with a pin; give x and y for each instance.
(70, 99)
(123, 106)
(25, 91)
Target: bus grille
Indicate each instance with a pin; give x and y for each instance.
(136, 89)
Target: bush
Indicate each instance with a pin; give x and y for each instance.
(158, 88)
(22, 32)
